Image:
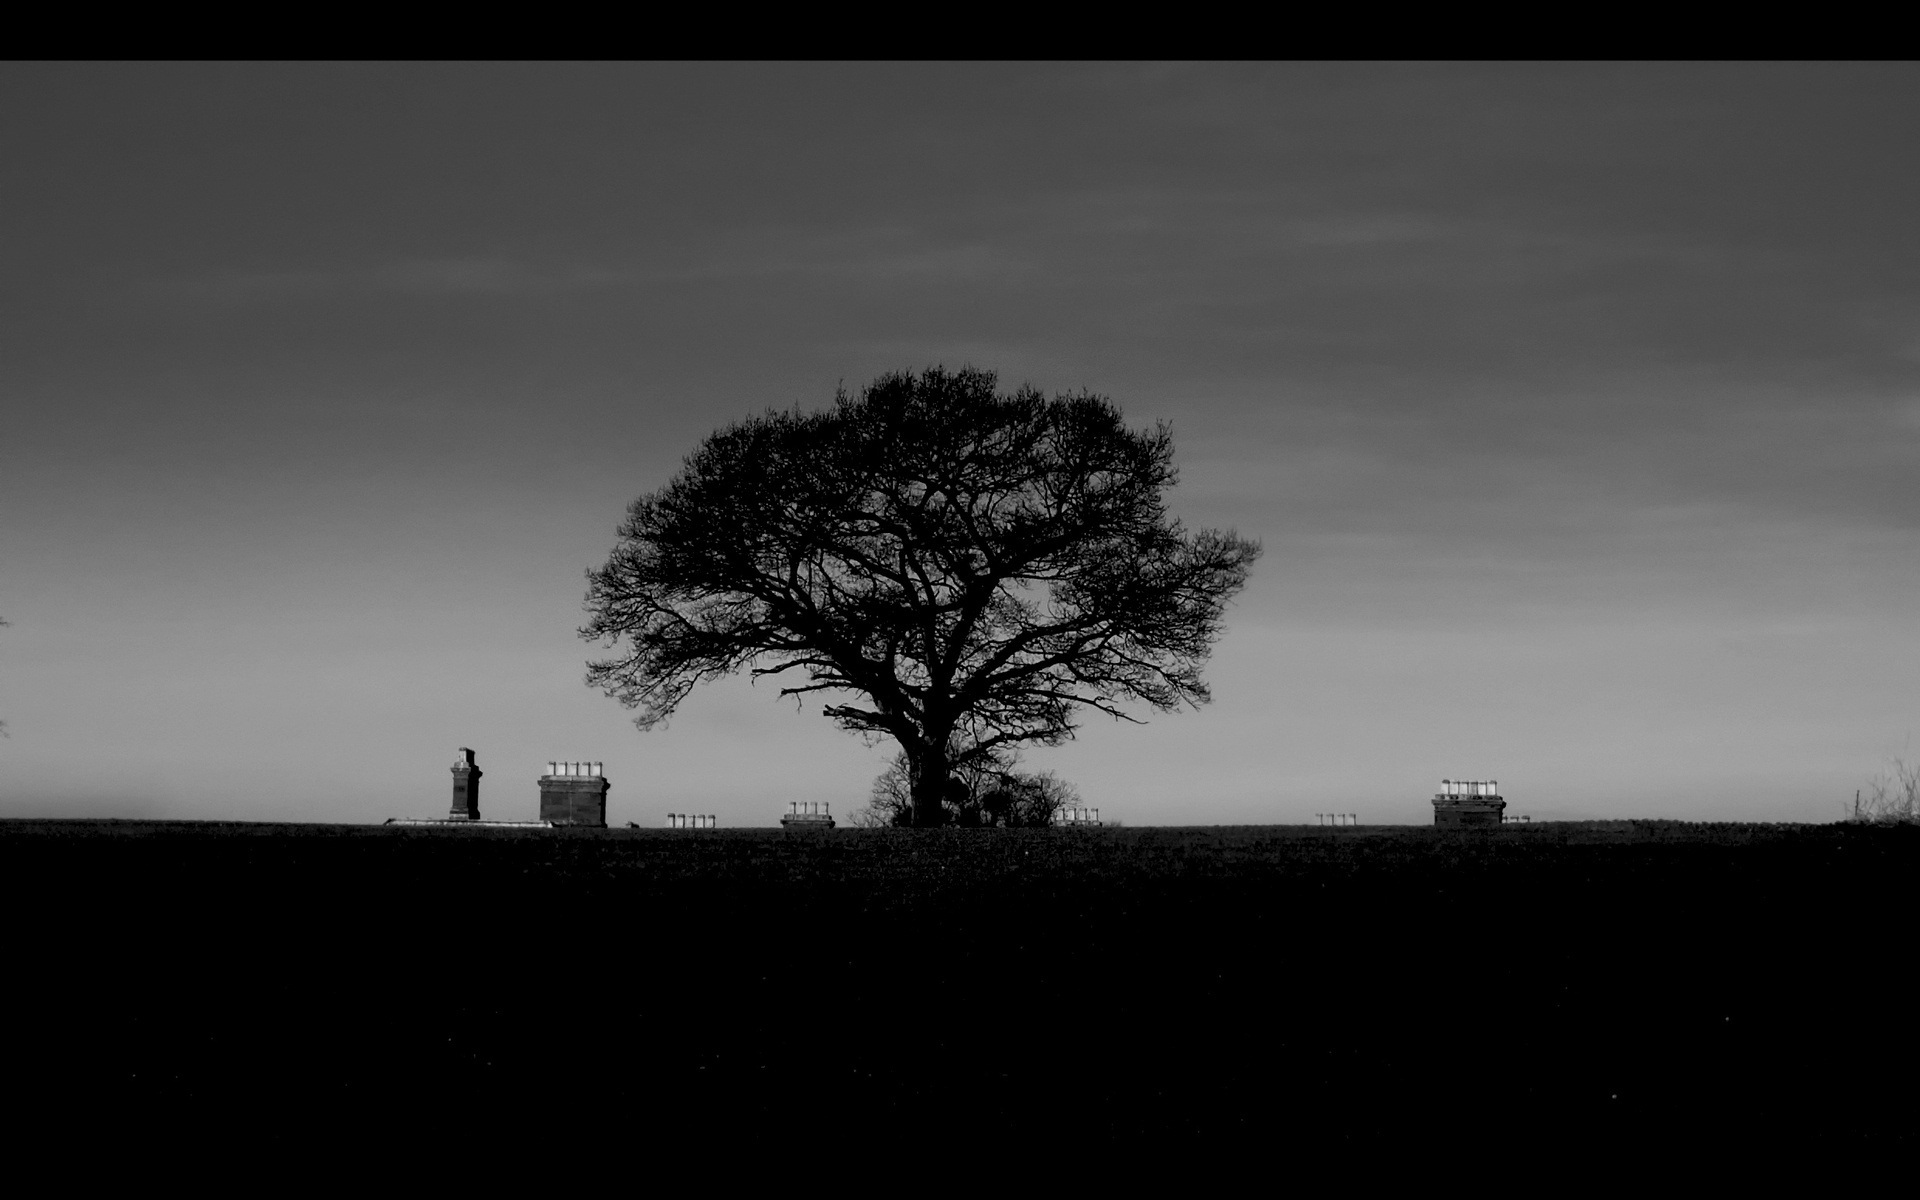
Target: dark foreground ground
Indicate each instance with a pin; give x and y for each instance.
(1265, 986)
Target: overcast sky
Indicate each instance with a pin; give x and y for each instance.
(1577, 406)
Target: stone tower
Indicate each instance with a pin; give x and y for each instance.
(574, 793)
(1461, 803)
(466, 787)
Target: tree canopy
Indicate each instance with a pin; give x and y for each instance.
(967, 570)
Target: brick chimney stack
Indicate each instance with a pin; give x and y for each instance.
(466, 788)
(1461, 803)
(574, 793)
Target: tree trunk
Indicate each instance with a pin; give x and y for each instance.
(930, 787)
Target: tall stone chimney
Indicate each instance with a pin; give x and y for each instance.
(466, 788)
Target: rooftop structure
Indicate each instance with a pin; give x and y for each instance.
(807, 815)
(466, 787)
(1461, 803)
(574, 793)
(466, 801)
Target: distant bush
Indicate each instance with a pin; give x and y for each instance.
(1890, 798)
(978, 796)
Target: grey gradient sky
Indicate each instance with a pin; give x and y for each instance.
(1578, 407)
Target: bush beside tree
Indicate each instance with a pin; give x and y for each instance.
(978, 796)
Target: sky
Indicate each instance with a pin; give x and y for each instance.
(1577, 407)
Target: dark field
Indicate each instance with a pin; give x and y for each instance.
(1558, 984)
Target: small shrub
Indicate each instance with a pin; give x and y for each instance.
(1890, 798)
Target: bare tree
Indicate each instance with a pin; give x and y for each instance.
(972, 570)
(1026, 801)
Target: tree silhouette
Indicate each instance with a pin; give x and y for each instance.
(971, 569)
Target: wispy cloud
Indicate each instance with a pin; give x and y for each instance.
(882, 255)
(493, 277)
(435, 277)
